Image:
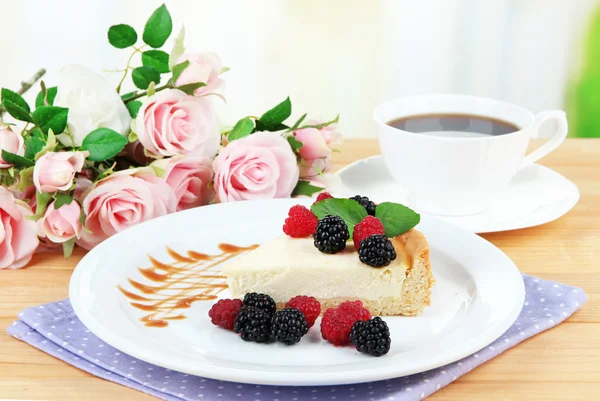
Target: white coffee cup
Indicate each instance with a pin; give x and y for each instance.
(453, 175)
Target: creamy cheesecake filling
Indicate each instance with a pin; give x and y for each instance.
(286, 267)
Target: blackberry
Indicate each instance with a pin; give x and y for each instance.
(371, 337)
(366, 203)
(260, 301)
(331, 234)
(376, 251)
(253, 324)
(288, 326)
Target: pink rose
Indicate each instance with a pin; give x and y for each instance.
(62, 224)
(11, 142)
(258, 166)
(189, 176)
(18, 238)
(82, 185)
(55, 171)
(318, 144)
(172, 122)
(203, 67)
(122, 200)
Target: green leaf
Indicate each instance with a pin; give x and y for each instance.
(396, 218)
(350, 211)
(61, 199)
(25, 178)
(41, 201)
(142, 76)
(325, 124)
(158, 27)
(273, 128)
(132, 137)
(306, 188)
(51, 117)
(16, 160)
(33, 145)
(277, 115)
(103, 144)
(178, 69)
(189, 89)
(241, 129)
(157, 59)
(127, 96)
(297, 124)
(178, 48)
(224, 70)
(122, 36)
(48, 98)
(49, 146)
(134, 107)
(15, 105)
(68, 247)
(294, 143)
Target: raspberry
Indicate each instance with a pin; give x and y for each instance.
(368, 226)
(224, 312)
(337, 322)
(376, 251)
(323, 196)
(300, 223)
(309, 306)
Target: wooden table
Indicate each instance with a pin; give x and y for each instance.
(560, 364)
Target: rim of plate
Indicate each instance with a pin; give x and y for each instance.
(534, 219)
(306, 377)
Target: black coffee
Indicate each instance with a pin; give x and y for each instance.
(454, 125)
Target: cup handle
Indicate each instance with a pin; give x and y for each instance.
(558, 137)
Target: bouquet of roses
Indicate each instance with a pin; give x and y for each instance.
(88, 162)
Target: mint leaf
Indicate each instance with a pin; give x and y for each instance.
(277, 114)
(396, 218)
(122, 36)
(158, 27)
(33, 144)
(142, 76)
(61, 199)
(294, 143)
(178, 69)
(15, 105)
(189, 89)
(49, 97)
(16, 160)
(350, 211)
(51, 117)
(157, 59)
(134, 108)
(241, 129)
(103, 144)
(306, 188)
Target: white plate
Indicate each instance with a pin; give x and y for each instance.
(537, 195)
(479, 294)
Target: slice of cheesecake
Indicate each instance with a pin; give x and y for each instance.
(286, 267)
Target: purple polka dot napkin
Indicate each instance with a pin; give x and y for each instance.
(55, 329)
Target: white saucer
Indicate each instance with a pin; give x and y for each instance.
(537, 195)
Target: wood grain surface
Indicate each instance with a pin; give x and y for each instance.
(558, 365)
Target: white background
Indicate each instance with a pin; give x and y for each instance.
(330, 56)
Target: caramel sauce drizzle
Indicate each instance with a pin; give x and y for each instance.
(187, 279)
